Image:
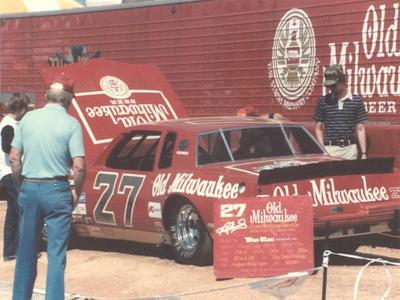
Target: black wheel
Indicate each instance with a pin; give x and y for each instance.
(348, 246)
(75, 241)
(191, 243)
(345, 245)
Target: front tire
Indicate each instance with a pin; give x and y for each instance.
(191, 242)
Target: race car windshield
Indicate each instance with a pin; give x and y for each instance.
(254, 142)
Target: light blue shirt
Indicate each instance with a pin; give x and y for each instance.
(48, 139)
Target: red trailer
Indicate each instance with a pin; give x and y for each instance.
(222, 55)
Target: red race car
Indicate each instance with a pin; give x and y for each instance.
(157, 180)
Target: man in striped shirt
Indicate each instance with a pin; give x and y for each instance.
(340, 118)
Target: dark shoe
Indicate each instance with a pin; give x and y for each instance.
(9, 258)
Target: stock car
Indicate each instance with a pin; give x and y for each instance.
(154, 174)
(157, 183)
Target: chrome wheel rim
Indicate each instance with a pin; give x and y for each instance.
(188, 228)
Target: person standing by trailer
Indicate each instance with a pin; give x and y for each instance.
(17, 106)
(340, 118)
(50, 141)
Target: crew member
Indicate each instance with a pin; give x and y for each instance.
(16, 107)
(340, 118)
(49, 140)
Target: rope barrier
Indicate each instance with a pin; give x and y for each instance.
(379, 260)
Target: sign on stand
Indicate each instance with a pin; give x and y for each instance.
(263, 237)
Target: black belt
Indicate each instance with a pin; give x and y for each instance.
(60, 178)
(341, 142)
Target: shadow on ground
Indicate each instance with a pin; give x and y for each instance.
(346, 246)
(125, 247)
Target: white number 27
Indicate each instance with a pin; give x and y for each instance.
(232, 210)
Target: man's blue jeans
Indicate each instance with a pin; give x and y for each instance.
(12, 216)
(39, 202)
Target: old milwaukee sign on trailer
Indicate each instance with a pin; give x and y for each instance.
(222, 55)
(111, 97)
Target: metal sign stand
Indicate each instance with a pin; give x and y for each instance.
(325, 260)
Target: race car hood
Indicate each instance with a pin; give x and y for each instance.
(256, 166)
(111, 97)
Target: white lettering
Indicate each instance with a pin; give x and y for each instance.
(379, 36)
(130, 114)
(186, 183)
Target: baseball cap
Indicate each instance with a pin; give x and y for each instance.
(332, 74)
(62, 82)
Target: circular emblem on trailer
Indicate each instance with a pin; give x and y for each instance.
(294, 65)
(114, 87)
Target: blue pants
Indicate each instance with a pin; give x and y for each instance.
(39, 202)
(12, 216)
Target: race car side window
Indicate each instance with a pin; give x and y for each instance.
(257, 142)
(301, 141)
(167, 151)
(211, 149)
(136, 151)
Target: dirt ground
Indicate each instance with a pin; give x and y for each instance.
(120, 270)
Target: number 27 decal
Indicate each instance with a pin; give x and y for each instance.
(128, 183)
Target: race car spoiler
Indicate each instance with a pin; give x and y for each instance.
(325, 169)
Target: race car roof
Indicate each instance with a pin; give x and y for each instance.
(111, 97)
(202, 124)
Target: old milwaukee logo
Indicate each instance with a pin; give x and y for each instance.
(325, 192)
(294, 67)
(114, 87)
(187, 183)
(117, 105)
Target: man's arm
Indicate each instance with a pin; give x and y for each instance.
(319, 132)
(319, 118)
(15, 157)
(361, 118)
(7, 135)
(362, 139)
(79, 173)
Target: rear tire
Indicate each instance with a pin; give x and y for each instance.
(191, 242)
(345, 245)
